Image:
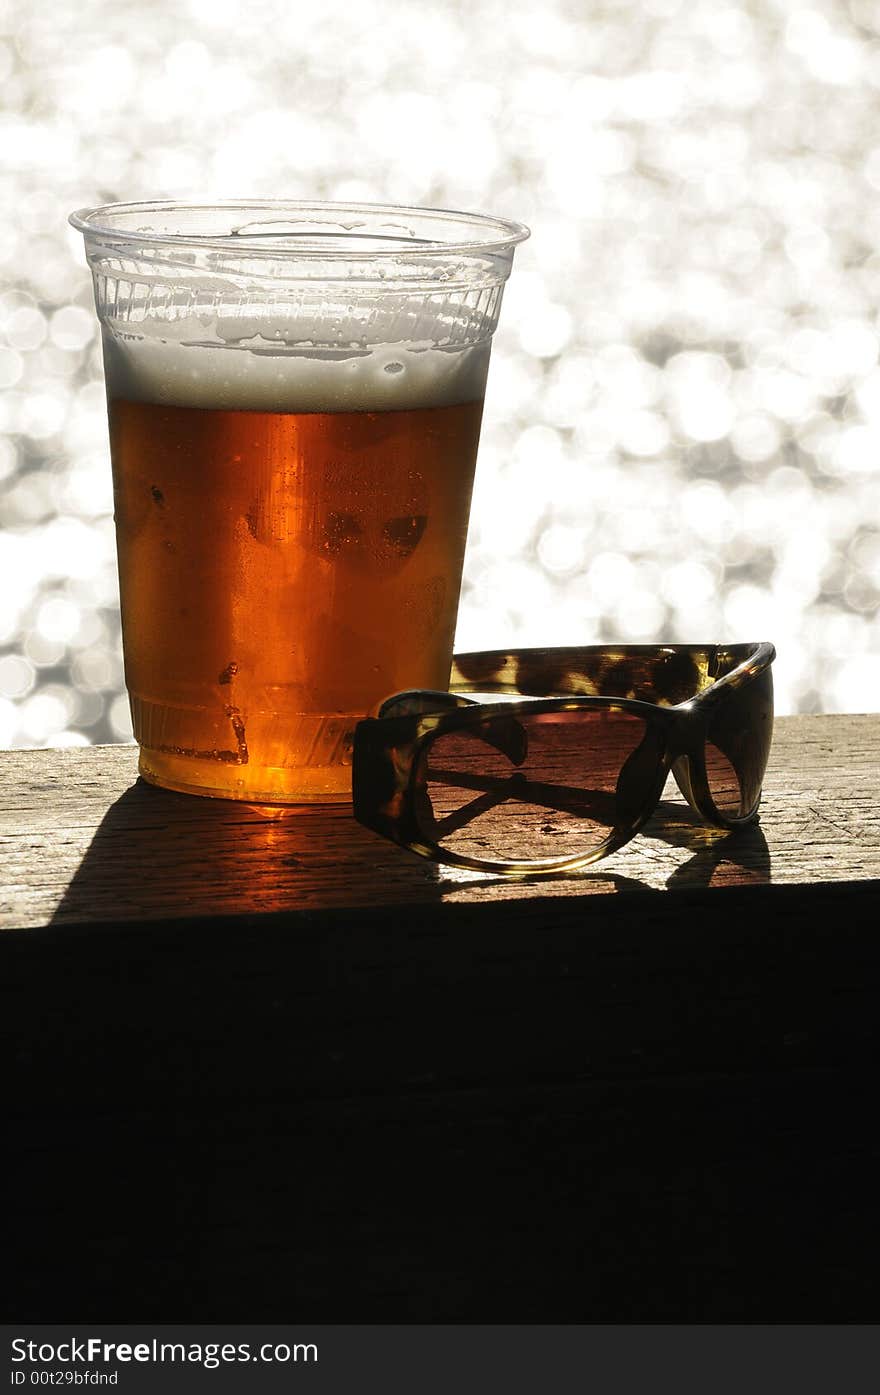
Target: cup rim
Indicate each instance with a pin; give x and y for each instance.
(498, 234)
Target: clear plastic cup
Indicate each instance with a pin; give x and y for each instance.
(294, 396)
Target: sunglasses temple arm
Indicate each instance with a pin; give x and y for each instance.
(563, 798)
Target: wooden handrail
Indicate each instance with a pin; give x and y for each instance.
(82, 841)
(260, 1065)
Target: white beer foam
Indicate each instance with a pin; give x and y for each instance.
(192, 369)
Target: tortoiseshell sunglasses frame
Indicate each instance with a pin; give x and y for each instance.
(674, 688)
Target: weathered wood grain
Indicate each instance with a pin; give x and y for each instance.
(83, 840)
(259, 1065)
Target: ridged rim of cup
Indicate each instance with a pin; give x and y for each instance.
(501, 233)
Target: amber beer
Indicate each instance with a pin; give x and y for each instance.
(280, 572)
(294, 392)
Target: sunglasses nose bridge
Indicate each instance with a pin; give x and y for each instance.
(681, 754)
(641, 779)
(681, 770)
(685, 755)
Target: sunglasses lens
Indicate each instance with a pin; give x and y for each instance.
(738, 744)
(536, 786)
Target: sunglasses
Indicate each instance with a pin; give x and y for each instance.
(552, 783)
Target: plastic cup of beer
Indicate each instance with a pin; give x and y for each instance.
(294, 395)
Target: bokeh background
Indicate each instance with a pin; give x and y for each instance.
(682, 432)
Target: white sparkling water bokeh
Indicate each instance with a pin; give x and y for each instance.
(682, 429)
